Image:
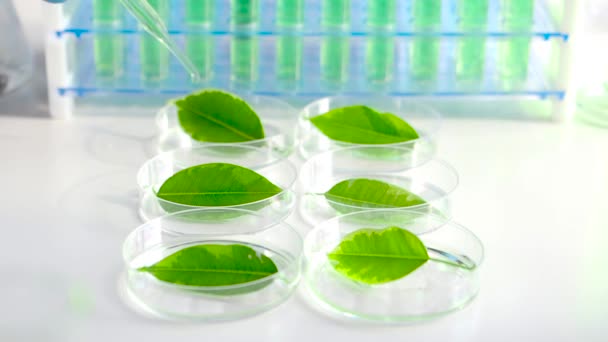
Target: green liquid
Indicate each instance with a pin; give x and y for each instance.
(424, 58)
(335, 57)
(109, 49)
(473, 15)
(244, 58)
(470, 59)
(107, 11)
(380, 54)
(289, 58)
(381, 13)
(336, 13)
(427, 14)
(517, 14)
(109, 55)
(154, 57)
(290, 13)
(424, 51)
(514, 54)
(245, 12)
(199, 12)
(200, 49)
(471, 51)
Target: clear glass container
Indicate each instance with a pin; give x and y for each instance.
(434, 289)
(433, 181)
(157, 239)
(424, 119)
(278, 119)
(15, 56)
(264, 161)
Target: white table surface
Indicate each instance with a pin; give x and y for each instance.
(535, 193)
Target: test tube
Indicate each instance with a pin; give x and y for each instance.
(427, 14)
(424, 51)
(335, 47)
(106, 12)
(290, 17)
(381, 13)
(380, 58)
(200, 47)
(336, 13)
(290, 13)
(244, 58)
(245, 12)
(153, 55)
(471, 50)
(380, 48)
(109, 47)
(335, 54)
(514, 52)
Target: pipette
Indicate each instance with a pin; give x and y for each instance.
(153, 24)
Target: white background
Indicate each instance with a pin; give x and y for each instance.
(535, 193)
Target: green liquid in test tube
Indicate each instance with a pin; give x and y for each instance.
(427, 14)
(106, 12)
(335, 48)
(335, 58)
(290, 17)
(200, 48)
(380, 52)
(379, 55)
(471, 50)
(289, 57)
(381, 13)
(109, 55)
(336, 13)
(424, 58)
(290, 13)
(424, 52)
(109, 48)
(245, 12)
(244, 58)
(154, 56)
(514, 53)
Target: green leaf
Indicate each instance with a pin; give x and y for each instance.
(370, 193)
(216, 184)
(213, 265)
(216, 116)
(379, 256)
(363, 125)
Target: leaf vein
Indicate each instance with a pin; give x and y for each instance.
(218, 122)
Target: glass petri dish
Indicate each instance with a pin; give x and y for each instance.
(159, 238)
(432, 290)
(424, 119)
(264, 161)
(433, 181)
(278, 118)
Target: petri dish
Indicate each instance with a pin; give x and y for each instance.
(433, 290)
(278, 118)
(423, 118)
(159, 238)
(264, 161)
(433, 181)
